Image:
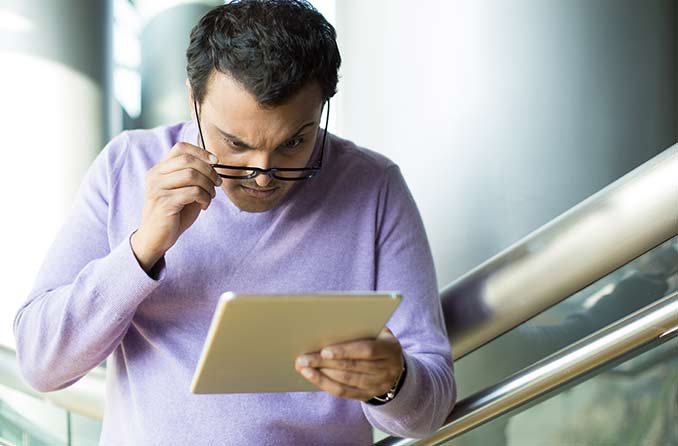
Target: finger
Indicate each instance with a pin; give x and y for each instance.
(187, 195)
(198, 152)
(370, 384)
(365, 349)
(323, 382)
(186, 178)
(386, 333)
(187, 161)
(355, 365)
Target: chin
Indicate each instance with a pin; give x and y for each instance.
(250, 204)
(254, 207)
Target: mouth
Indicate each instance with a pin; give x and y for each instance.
(259, 193)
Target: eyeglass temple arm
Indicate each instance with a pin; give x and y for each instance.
(197, 119)
(327, 121)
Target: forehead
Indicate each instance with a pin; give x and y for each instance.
(233, 108)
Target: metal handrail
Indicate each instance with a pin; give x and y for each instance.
(650, 326)
(604, 232)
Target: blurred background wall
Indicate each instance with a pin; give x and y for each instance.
(502, 114)
(55, 87)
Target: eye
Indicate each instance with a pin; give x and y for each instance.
(293, 143)
(235, 144)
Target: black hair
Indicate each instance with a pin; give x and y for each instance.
(273, 48)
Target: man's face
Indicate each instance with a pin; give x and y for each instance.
(240, 132)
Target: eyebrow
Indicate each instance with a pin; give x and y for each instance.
(244, 144)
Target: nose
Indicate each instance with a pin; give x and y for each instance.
(262, 180)
(262, 161)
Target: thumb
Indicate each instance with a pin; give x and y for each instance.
(386, 333)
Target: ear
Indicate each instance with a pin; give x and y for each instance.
(191, 107)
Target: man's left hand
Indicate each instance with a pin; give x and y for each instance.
(357, 370)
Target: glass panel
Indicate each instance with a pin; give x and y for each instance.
(29, 421)
(635, 285)
(85, 431)
(632, 399)
(635, 403)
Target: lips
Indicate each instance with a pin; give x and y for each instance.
(259, 193)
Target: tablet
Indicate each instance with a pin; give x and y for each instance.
(254, 340)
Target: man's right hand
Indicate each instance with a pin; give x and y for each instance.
(177, 188)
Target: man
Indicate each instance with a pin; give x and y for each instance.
(251, 196)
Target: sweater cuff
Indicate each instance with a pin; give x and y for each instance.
(126, 284)
(399, 409)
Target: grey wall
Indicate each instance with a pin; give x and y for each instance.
(503, 114)
(55, 59)
(71, 33)
(164, 40)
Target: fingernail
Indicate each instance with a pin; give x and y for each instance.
(303, 361)
(219, 181)
(308, 373)
(213, 158)
(327, 354)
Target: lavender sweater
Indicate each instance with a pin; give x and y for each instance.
(354, 226)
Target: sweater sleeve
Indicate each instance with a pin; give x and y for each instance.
(405, 264)
(86, 292)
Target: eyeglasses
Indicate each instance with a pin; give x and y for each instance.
(279, 173)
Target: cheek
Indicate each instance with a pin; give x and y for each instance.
(285, 186)
(229, 186)
(235, 185)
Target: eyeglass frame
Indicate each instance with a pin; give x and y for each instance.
(271, 173)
